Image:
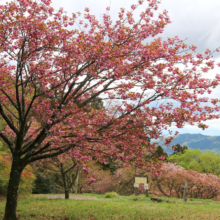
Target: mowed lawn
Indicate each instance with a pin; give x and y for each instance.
(122, 207)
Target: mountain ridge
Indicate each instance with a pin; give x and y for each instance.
(194, 141)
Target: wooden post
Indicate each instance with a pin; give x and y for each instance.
(135, 191)
(185, 191)
(146, 192)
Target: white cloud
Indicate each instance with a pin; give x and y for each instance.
(212, 130)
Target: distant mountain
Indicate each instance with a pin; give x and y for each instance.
(194, 141)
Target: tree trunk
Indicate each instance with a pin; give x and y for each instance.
(67, 194)
(76, 182)
(161, 190)
(12, 193)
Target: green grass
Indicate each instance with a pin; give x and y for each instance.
(120, 207)
(98, 196)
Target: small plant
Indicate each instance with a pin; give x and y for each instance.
(111, 195)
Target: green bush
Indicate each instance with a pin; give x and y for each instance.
(111, 195)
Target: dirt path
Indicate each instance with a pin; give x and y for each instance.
(61, 196)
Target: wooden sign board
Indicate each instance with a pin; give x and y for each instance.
(141, 180)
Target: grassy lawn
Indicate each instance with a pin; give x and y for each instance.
(121, 207)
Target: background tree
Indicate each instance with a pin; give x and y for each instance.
(171, 182)
(185, 159)
(202, 162)
(64, 173)
(43, 184)
(207, 163)
(179, 149)
(42, 57)
(159, 152)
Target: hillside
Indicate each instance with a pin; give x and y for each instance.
(194, 141)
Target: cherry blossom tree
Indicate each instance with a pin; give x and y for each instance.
(51, 70)
(171, 182)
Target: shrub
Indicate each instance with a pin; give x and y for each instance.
(111, 195)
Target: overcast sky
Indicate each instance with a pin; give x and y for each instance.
(197, 21)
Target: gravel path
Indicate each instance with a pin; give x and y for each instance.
(61, 196)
